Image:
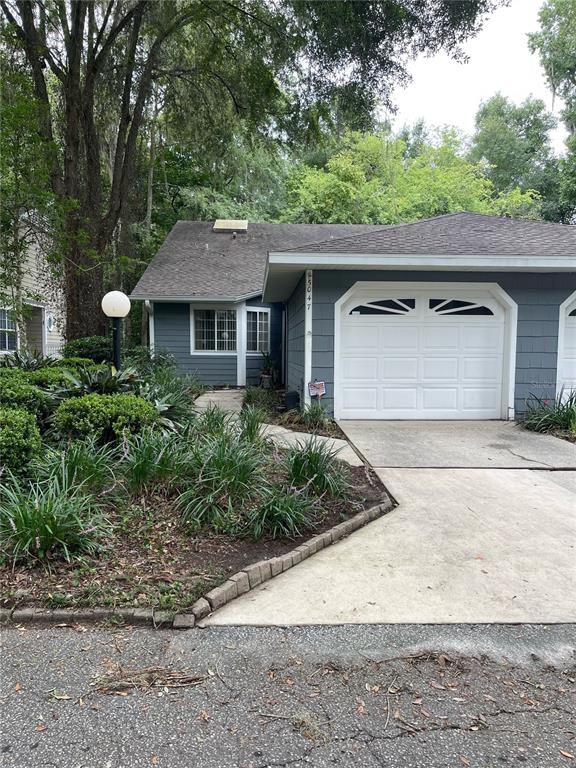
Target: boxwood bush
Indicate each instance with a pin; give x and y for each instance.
(17, 393)
(104, 417)
(96, 348)
(47, 377)
(19, 439)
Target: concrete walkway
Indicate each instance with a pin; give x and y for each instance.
(228, 399)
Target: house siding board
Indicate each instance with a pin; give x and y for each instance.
(538, 297)
(172, 333)
(295, 340)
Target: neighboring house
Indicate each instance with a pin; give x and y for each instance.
(458, 317)
(44, 314)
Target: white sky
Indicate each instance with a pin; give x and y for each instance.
(445, 92)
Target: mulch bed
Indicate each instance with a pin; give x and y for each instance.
(152, 561)
(330, 429)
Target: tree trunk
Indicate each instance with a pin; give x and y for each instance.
(83, 293)
(150, 190)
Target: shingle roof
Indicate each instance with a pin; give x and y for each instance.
(194, 261)
(457, 234)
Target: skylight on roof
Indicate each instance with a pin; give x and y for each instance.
(230, 225)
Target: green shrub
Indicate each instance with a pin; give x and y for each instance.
(15, 393)
(47, 377)
(172, 395)
(104, 417)
(73, 363)
(251, 420)
(224, 473)
(283, 513)
(314, 464)
(46, 520)
(82, 462)
(28, 361)
(96, 348)
(146, 361)
(212, 422)
(99, 379)
(544, 415)
(267, 399)
(19, 439)
(154, 461)
(312, 416)
(12, 373)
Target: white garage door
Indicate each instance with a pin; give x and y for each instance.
(420, 355)
(567, 352)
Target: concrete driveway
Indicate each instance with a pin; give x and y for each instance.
(449, 444)
(471, 541)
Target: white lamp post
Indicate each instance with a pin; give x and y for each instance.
(116, 305)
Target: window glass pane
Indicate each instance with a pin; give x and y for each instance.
(252, 332)
(204, 331)
(226, 330)
(7, 331)
(263, 332)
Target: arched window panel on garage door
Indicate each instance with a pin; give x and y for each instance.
(458, 307)
(385, 307)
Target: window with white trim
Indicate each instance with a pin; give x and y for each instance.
(257, 330)
(8, 333)
(214, 330)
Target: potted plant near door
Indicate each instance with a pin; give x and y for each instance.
(268, 371)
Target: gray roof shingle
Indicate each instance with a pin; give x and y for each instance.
(457, 234)
(195, 262)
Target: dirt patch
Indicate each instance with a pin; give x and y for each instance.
(152, 560)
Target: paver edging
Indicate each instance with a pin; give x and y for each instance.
(238, 584)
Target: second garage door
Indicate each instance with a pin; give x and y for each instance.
(420, 355)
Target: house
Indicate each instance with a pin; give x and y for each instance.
(462, 316)
(42, 326)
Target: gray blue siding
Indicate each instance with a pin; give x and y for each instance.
(538, 297)
(295, 338)
(172, 333)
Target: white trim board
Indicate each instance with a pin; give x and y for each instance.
(308, 303)
(424, 261)
(566, 306)
(396, 287)
(241, 325)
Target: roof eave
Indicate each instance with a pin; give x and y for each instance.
(138, 296)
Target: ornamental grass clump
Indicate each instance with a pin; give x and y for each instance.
(250, 423)
(224, 474)
(315, 465)
(558, 414)
(48, 520)
(155, 462)
(282, 513)
(81, 463)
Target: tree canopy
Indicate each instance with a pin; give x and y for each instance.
(382, 179)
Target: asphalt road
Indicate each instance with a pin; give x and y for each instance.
(362, 696)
